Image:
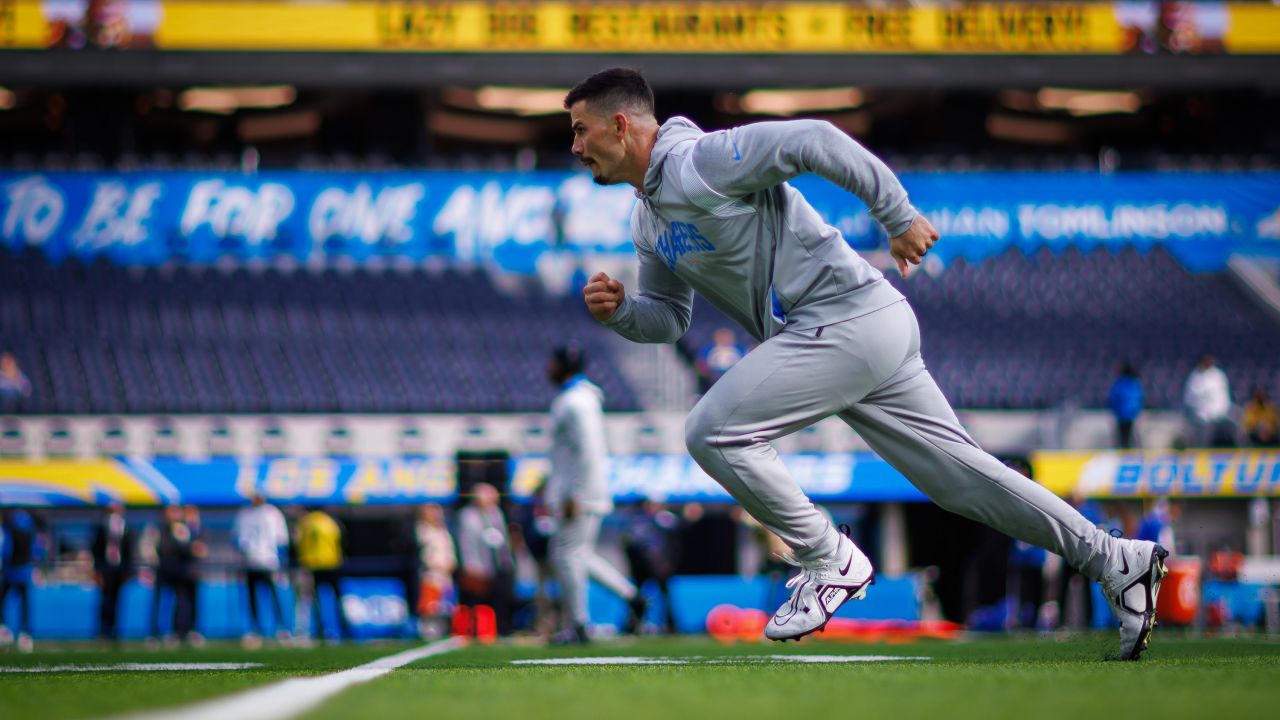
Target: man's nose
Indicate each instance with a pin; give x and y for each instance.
(577, 147)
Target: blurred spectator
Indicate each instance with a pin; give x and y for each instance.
(191, 582)
(259, 533)
(652, 548)
(1207, 399)
(715, 359)
(320, 553)
(1260, 423)
(1157, 523)
(14, 385)
(1125, 402)
(18, 563)
(437, 559)
(112, 567)
(177, 554)
(487, 575)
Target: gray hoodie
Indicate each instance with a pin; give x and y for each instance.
(579, 457)
(718, 216)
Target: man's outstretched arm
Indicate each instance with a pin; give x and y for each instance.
(658, 313)
(744, 160)
(737, 162)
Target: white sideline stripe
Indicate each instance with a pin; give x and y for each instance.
(735, 659)
(604, 661)
(840, 658)
(130, 667)
(293, 697)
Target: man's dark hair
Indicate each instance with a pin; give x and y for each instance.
(571, 358)
(612, 89)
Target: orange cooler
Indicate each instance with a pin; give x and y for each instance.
(1180, 592)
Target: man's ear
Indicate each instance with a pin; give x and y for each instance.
(620, 124)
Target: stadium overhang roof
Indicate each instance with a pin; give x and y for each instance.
(669, 71)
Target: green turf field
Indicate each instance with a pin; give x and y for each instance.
(984, 678)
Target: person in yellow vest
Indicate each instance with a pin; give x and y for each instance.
(319, 547)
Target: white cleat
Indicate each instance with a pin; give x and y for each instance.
(1131, 587)
(820, 588)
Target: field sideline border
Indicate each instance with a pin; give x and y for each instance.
(292, 697)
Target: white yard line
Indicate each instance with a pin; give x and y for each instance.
(290, 698)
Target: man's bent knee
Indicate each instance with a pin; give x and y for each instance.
(699, 432)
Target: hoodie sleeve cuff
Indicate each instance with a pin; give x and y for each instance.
(621, 315)
(897, 220)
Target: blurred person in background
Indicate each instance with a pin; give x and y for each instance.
(718, 217)
(14, 385)
(651, 543)
(177, 553)
(715, 358)
(191, 582)
(437, 560)
(21, 548)
(320, 555)
(1125, 402)
(1157, 523)
(486, 575)
(1207, 400)
(261, 537)
(1260, 423)
(578, 495)
(112, 550)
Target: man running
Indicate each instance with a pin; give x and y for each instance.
(716, 215)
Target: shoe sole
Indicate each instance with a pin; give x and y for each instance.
(1158, 570)
(860, 594)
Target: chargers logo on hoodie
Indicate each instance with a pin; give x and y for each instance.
(680, 240)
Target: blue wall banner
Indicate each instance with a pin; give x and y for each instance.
(510, 220)
(825, 477)
(834, 477)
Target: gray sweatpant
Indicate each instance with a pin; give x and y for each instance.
(573, 554)
(868, 371)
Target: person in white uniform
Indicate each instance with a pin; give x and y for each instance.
(717, 216)
(578, 496)
(262, 537)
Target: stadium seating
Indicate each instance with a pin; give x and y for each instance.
(1014, 331)
(106, 339)
(1031, 332)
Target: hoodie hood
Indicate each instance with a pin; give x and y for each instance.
(580, 383)
(674, 131)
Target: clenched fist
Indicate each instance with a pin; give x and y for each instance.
(603, 295)
(910, 246)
